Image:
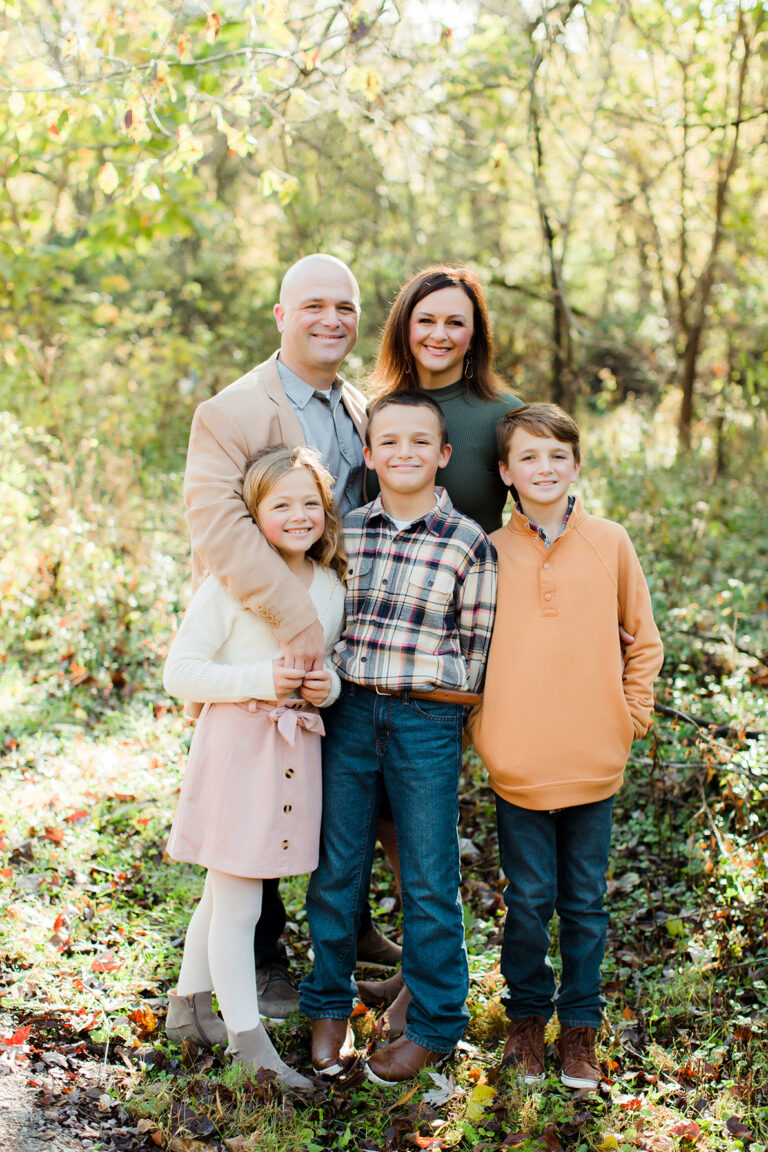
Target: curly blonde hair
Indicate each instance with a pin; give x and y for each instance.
(268, 466)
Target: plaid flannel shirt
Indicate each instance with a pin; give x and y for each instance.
(420, 601)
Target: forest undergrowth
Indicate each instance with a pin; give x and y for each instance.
(92, 915)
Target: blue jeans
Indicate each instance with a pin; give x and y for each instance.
(554, 862)
(413, 748)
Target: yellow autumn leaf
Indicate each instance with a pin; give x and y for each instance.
(107, 179)
(289, 190)
(105, 314)
(115, 283)
(365, 80)
(477, 1105)
(609, 1144)
(354, 78)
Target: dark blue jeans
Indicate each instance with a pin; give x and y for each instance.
(554, 862)
(413, 748)
(268, 948)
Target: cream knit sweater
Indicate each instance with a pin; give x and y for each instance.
(224, 653)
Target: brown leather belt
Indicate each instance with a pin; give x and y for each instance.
(441, 695)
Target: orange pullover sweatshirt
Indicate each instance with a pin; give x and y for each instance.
(561, 708)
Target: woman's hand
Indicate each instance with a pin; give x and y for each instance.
(316, 686)
(287, 680)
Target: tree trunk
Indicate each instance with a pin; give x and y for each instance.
(688, 372)
(561, 384)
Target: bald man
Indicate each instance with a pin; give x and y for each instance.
(296, 397)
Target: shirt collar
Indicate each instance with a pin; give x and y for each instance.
(299, 392)
(540, 531)
(433, 521)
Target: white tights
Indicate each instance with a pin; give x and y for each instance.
(218, 949)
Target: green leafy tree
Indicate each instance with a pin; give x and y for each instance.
(691, 99)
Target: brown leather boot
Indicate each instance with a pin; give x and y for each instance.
(524, 1049)
(581, 1068)
(380, 993)
(401, 1060)
(374, 950)
(331, 1041)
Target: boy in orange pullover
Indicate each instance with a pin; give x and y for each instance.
(561, 708)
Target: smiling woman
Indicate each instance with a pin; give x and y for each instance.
(437, 337)
(440, 335)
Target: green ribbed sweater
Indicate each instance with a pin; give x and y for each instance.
(472, 477)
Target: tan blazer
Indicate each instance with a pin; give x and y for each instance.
(227, 430)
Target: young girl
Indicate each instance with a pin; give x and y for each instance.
(250, 801)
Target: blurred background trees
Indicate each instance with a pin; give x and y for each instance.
(600, 164)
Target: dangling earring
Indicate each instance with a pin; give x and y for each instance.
(468, 366)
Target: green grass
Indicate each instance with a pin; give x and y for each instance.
(92, 915)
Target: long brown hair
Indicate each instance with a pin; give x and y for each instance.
(395, 368)
(268, 466)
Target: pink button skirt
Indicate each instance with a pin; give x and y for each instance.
(251, 796)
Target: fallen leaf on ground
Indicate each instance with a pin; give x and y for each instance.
(686, 1130)
(195, 1125)
(20, 1036)
(445, 1089)
(479, 1101)
(551, 1138)
(145, 1021)
(107, 962)
(737, 1128)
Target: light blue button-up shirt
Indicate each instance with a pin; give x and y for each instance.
(329, 428)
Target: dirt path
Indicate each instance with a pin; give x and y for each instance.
(53, 1096)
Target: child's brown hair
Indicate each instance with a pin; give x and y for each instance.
(541, 420)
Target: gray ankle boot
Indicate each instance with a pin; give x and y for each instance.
(255, 1048)
(193, 1018)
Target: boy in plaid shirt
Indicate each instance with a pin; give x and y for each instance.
(421, 591)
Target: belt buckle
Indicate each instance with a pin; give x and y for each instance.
(379, 692)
